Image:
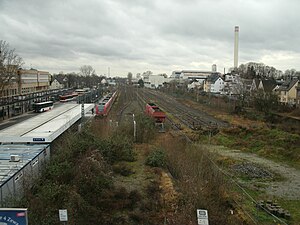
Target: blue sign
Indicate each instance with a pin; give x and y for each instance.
(13, 216)
(38, 139)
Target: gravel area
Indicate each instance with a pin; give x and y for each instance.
(288, 188)
(252, 170)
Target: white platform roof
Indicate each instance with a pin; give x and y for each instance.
(45, 127)
(26, 154)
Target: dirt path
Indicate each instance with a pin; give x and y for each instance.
(289, 188)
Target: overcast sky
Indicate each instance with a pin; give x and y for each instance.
(156, 35)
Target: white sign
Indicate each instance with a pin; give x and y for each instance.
(202, 217)
(63, 215)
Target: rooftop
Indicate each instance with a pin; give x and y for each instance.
(26, 154)
(45, 127)
(286, 86)
(213, 77)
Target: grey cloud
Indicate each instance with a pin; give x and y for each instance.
(159, 34)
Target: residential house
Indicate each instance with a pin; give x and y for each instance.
(287, 92)
(214, 84)
(254, 85)
(265, 86)
(56, 84)
(298, 95)
(231, 82)
(193, 85)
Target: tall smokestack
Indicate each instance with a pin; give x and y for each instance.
(236, 46)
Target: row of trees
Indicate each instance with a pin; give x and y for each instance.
(86, 77)
(253, 70)
(11, 62)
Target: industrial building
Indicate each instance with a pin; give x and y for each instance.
(26, 146)
(20, 164)
(155, 81)
(191, 74)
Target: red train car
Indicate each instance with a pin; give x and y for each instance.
(105, 104)
(155, 112)
(68, 97)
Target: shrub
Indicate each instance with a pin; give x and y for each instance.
(117, 148)
(145, 128)
(137, 217)
(156, 158)
(122, 169)
(134, 197)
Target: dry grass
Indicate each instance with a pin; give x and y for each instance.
(201, 185)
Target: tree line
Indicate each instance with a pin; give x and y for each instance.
(11, 62)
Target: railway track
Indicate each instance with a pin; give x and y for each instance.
(192, 118)
(127, 100)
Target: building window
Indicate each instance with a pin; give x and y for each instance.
(18, 176)
(35, 162)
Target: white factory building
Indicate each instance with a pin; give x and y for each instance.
(156, 81)
(190, 75)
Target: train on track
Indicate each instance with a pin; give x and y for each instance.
(155, 112)
(68, 97)
(103, 107)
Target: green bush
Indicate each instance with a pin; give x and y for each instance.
(145, 128)
(156, 158)
(117, 148)
(122, 169)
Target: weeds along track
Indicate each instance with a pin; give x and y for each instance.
(129, 102)
(192, 118)
(198, 120)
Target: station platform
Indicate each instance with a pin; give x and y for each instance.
(45, 127)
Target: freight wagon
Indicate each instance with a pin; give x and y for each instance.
(155, 112)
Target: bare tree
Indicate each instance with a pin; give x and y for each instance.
(10, 62)
(87, 70)
(241, 91)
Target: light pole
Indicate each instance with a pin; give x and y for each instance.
(134, 128)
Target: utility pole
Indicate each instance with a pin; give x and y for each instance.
(134, 128)
(134, 131)
(82, 109)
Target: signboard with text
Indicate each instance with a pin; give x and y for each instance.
(202, 217)
(38, 139)
(63, 215)
(13, 216)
